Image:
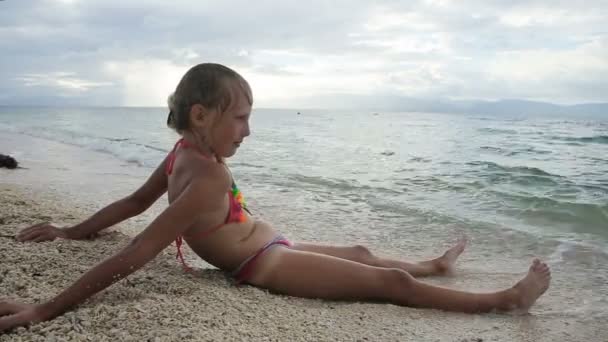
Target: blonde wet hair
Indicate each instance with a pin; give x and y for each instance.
(214, 86)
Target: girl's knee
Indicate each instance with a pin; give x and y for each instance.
(396, 279)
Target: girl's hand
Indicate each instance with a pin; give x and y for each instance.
(13, 315)
(41, 232)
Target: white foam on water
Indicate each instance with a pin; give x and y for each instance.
(123, 148)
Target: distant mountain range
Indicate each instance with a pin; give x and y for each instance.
(500, 107)
(379, 103)
(524, 107)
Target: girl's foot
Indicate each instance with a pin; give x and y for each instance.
(445, 263)
(534, 284)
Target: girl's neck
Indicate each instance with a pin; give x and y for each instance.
(199, 144)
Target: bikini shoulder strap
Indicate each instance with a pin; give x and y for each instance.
(171, 157)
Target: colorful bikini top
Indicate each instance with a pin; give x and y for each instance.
(237, 205)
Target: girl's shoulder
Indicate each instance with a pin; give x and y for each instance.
(198, 169)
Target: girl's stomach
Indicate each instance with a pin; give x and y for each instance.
(231, 244)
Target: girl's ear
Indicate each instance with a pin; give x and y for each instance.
(199, 115)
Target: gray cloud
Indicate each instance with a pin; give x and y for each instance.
(114, 52)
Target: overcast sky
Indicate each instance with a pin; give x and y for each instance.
(297, 53)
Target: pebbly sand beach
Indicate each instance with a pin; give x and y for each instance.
(162, 303)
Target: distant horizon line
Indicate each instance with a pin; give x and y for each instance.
(439, 100)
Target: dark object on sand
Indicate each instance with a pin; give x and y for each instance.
(8, 162)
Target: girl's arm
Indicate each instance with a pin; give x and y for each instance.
(125, 208)
(199, 196)
(130, 206)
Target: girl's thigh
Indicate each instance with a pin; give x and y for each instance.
(312, 275)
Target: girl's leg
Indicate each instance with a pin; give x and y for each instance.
(312, 275)
(443, 265)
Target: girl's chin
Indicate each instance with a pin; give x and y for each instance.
(229, 152)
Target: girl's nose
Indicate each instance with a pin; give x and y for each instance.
(246, 131)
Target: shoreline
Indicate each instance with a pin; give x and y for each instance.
(162, 303)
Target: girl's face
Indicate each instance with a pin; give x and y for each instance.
(231, 127)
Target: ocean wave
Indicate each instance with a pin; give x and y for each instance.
(497, 130)
(159, 149)
(493, 149)
(581, 216)
(491, 166)
(597, 139)
(510, 153)
(247, 165)
(527, 150)
(388, 208)
(344, 188)
(419, 160)
(126, 149)
(330, 184)
(440, 183)
(577, 250)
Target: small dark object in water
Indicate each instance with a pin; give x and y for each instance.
(299, 113)
(8, 162)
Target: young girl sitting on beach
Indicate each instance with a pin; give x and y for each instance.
(210, 109)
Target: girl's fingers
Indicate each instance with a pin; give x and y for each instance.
(27, 230)
(25, 236)
(42, 237)
(8, 308)
(10, 322)
(31, 235)
(24, 233)
(14, 314)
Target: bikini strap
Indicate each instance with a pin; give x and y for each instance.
(171, 157)
(180, 255)
(185, 144)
